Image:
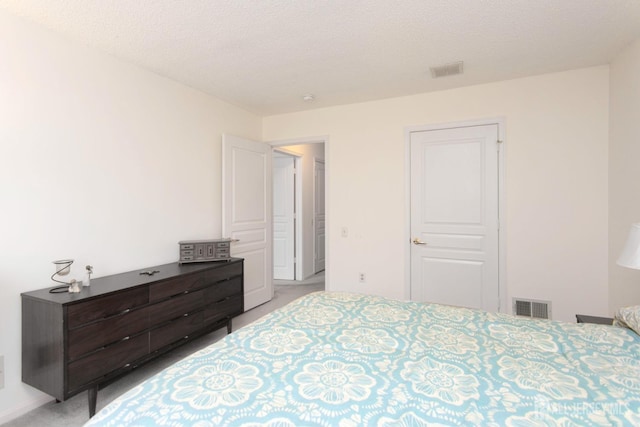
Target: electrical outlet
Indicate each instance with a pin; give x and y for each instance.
(1, 371)
(362, 278)
(345, 232)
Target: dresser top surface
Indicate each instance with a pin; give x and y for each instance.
(122, 281)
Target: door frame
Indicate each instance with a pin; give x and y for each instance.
(297, 229)
(502, 271)
(321, 139)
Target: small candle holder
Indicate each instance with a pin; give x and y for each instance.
(63, 267)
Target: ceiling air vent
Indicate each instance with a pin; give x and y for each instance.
(447, 70)
(532, 308)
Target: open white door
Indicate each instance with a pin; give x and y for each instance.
(283, 217)
(246, 213)
(318, 217)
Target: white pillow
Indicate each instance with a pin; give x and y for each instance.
(628, 317)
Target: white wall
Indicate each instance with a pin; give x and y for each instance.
(556, 183)
(308, 153)
(624, 172)
(99, 161)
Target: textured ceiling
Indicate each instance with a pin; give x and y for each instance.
(263, 55)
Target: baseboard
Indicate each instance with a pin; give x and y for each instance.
(12, 414)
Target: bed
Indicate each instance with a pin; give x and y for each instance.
(340, 359)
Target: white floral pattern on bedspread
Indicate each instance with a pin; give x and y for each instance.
(345, 360)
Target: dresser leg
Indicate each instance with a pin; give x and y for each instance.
(92, 394)
(229, 326)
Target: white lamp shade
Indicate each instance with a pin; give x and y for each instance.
(630, 256)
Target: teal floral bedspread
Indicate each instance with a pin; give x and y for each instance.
(343, 360)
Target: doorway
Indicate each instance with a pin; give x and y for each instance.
(247, 200)
(309, 203)
(455, 186)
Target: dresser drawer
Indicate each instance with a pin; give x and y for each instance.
(221, 290)
(99, 334)
(106, 306)
(175, 331)
(169, 288)
(223, 273)
(105, 361)
(176, 306)
(228, 307)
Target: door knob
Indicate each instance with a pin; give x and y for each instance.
(417, 241)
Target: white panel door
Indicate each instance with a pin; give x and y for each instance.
(455, 216)
(318, 217)
(283, 217)
(246, 213)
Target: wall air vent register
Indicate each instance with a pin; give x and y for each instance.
(532, 308)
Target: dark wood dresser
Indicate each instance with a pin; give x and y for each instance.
(76, 342)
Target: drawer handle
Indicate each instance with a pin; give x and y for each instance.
(127, 365)
(186, 292)
(125, 338)
(186, 337)
(117, 314)
(223, 300)
(185, 315)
